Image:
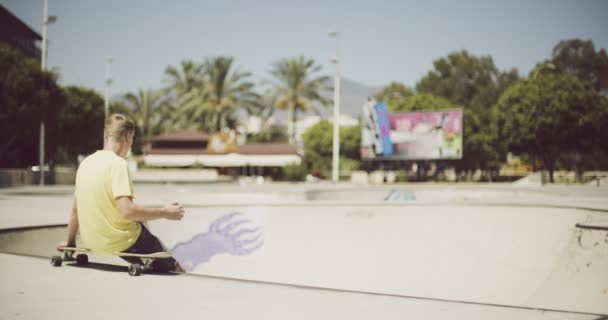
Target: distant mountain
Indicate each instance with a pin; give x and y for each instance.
(354, 95)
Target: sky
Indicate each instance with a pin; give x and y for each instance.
(379, 41)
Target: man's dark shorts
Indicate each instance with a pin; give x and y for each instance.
(149, 243)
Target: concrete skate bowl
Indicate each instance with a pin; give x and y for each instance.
(356, 194)
(32, 241)
(429, 193)
(41, 242)
(524, 257)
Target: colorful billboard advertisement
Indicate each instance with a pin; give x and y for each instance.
(423, 135)
(383, 120)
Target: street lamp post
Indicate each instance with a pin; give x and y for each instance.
(108, 84)
(46, 20)
(335, 172)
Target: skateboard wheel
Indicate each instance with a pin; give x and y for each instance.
(82, 259)
(56, 261)
(135, 269)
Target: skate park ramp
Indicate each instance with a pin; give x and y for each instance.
(432, 193)
(497, 248)
(523, 256)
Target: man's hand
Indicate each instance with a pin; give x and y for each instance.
(66, 244)
(173, 211)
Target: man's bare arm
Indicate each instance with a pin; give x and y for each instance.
(73, 226)
(130, 211)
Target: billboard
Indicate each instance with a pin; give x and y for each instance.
(423, 135)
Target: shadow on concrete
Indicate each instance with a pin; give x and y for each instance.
(97, 266)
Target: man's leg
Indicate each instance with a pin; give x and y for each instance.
(149, 243)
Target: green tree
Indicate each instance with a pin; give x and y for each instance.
(143, 107)
(475, 84)
(469, 81)
(318, 145)
(296, 86)
(81, 123)
(350, 147)
(208, 94)
(420, 102)
(185, 78)
(262, 107)
(226, 90)
(580, 58)
(294, 172)
(550, 115)
(394, 91)
(27, 97)
(276, 134)
(186, 86)
(482, 148)
(466, 80)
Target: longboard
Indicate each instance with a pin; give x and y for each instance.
(135, 269)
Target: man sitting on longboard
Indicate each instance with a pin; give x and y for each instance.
(103, 209)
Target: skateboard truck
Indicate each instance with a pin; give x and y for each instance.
(68, 255)
(135, 269)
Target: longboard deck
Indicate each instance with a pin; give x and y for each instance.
(134, 269)
(159, 255)
(63, 248)
(155, 255)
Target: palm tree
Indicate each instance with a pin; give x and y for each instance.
(146, 110)
(185, 85)
(296, 87)
(207, 94)
(262, 108)
(188, 77)
(226, 90)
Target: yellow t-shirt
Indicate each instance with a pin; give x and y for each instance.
(100, 179)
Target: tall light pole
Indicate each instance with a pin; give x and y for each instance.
(108, 84)
(335, 170)
(46, 20)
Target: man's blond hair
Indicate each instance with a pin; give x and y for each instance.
(117, 126)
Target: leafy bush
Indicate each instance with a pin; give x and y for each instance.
(294, 172)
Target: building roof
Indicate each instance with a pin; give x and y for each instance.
(182, 136)
(196, 136)
(267, 149)
(12, 24)
(177, 151)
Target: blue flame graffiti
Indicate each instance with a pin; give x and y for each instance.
(224, 237)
